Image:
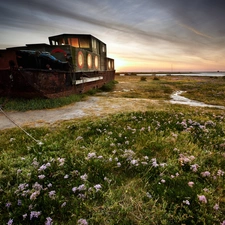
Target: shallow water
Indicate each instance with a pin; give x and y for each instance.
(203, 74)
(176, 98)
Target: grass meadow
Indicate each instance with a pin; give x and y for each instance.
(164, 166)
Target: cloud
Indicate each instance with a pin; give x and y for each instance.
(159, 28)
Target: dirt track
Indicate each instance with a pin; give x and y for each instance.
(93, 106)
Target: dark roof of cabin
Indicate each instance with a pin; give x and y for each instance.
(38, 44)
(73, 35)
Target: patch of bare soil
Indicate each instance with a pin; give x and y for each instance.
(92, 107)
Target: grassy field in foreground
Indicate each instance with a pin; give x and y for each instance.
(154, 167)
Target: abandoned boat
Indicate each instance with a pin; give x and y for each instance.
(70, 63)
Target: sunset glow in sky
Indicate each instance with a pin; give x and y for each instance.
(141, 35)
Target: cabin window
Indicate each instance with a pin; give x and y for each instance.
(94, 44)
(74, 42)
(103, 48)
(55, 42)
(84, 43)
(61, 41)
(109, 64)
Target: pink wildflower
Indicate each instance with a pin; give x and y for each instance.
(61, 161)
(202, 199)
(91, 155)
(8, 204)
(84, 177)
(42, 176)
(220, 173)
(52, 194)
(97, 187)
(63, 205)
(10, 222)
(186, 202)
(190, 184)
(194, 167)
(216, 206)
(81, 187)
(48, 221)
(205, 174)
(34, 195)
(82, 222)
(24, 216)
(34, 214)
(154, 162)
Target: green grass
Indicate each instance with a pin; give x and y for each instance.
(109, 86)
(205, 89)
(38, 103)
(41, 103)
(131, 168)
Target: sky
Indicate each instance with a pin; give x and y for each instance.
(141, 35)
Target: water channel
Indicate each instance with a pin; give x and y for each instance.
(176, 98)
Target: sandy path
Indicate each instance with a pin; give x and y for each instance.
(93, 106)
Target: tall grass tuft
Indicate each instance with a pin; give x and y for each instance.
(39, 103)
(143, 78)
(109, 86)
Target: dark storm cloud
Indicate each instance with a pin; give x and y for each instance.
(31, 12)
(203, 17)
(119, 16)
(199, 23)
(194, 27)
(200, 13)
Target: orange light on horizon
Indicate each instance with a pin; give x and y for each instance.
(149, 65)
(120, 64)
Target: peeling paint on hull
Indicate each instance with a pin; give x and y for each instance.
(49, 83)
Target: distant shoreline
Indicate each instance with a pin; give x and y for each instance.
(202, 74)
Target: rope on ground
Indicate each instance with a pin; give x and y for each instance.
(37, 141)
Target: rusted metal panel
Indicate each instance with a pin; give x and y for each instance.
(5, 57)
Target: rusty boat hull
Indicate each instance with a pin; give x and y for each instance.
(31, 83)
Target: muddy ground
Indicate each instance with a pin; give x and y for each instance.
(94, 106)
